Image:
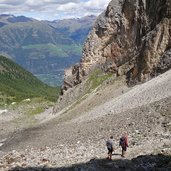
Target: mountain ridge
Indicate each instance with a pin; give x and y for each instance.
(30, 42)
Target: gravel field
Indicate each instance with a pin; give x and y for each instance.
(144, 112)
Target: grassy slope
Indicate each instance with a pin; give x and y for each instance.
(17, 84)
(93, 83)
(56, 50)
(22, 40)
(35, 33)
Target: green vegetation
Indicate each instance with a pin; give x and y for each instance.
(36, 111)
(29, 110)
(18, 84)
(60, 50)
(51, 79)
(96, 78)
(29, 106)
(94, 81)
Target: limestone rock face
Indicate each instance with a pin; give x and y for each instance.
(132, 38)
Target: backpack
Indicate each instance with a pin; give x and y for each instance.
(122, 142)
(109, 144)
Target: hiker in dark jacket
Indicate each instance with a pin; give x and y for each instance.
(124, 144)
(109, 144)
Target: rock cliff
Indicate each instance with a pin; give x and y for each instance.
(131, 38)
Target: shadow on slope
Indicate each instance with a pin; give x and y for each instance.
(141, 163)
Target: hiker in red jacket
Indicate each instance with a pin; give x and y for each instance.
(124, 144)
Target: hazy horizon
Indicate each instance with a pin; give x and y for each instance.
(53, 9)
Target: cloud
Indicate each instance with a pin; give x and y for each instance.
(12, 2)
(53, 9)
(60, 1)
(97, 4)
(67, 7)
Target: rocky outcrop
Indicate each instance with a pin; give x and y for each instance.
(131, 37)
(164, 63)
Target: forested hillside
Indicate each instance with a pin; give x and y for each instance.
(17, 84)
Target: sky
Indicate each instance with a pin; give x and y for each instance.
(53, 9)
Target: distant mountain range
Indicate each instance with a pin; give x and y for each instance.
(44, 47)
(76, 29)
(18, 84)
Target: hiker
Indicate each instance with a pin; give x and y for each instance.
(124, 144)
(109, 144)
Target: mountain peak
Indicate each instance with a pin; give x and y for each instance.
(19, 19)
(8, 18)
(6, 15)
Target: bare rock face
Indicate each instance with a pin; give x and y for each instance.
(132, 38)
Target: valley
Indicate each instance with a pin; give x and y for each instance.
(121, 85)
(54, 79)
(43, 46)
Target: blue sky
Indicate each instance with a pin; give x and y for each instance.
(53, 9)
